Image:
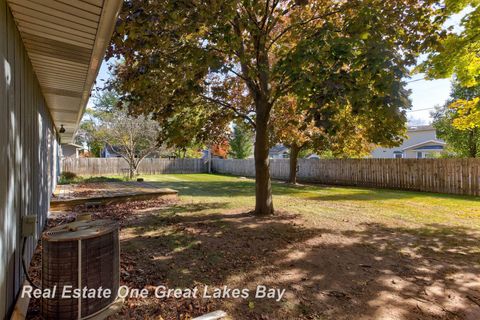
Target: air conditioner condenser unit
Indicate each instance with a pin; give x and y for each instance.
(78, 259)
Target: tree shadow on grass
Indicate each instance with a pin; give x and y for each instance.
(369, 270)
(226, 188)
(243, 188)
(211, 188)
(191, 208)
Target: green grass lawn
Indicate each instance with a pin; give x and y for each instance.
(328, 204)
(339, 252)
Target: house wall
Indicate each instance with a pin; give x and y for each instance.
(28, 149)
(283, 155)
(414, 137)
(412, 154)
(69, 151)
(107, 153)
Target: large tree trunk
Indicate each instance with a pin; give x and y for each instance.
(263, 185)
(132, 173)
(261, 95)
(132, 165)
(294, 150)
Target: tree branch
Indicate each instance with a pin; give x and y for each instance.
(272, 23)
(292, 26)
(241, 54)
(232, 108)
(250, 15)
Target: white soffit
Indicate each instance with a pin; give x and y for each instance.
(66, 42)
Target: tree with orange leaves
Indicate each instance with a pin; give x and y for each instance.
(220, 149)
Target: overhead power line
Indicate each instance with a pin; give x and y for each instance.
(415, 80)
(420, 110)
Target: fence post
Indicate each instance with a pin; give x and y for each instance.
(209, 159)
(428, 175)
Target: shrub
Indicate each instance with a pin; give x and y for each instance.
(67, 177)
(102, 179)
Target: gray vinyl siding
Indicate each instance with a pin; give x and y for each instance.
(28, 153)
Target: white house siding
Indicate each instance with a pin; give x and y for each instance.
(415, 136)
(69, 151)
(28, 153)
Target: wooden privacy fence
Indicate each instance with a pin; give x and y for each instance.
(454, 176)
(118, 166)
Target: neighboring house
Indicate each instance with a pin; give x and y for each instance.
(205, 154)
(50, 54)
(312, 156)
(70, 150)
(422, 142)
(279, 152)
(109, 152)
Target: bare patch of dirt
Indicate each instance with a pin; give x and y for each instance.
(354, 271)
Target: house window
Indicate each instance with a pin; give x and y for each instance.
(419, 155)
(398, 154)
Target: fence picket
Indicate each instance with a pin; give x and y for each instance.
(454, 176)
(115, 166)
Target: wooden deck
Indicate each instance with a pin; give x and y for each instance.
(68, 196)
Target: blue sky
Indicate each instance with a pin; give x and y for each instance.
(425, 94)
(428, 94)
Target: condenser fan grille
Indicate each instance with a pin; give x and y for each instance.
(80, 255)
(97, 260)
(60, 269)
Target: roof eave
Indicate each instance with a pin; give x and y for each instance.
(65, 42)
(111, 9)
(438, 142)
